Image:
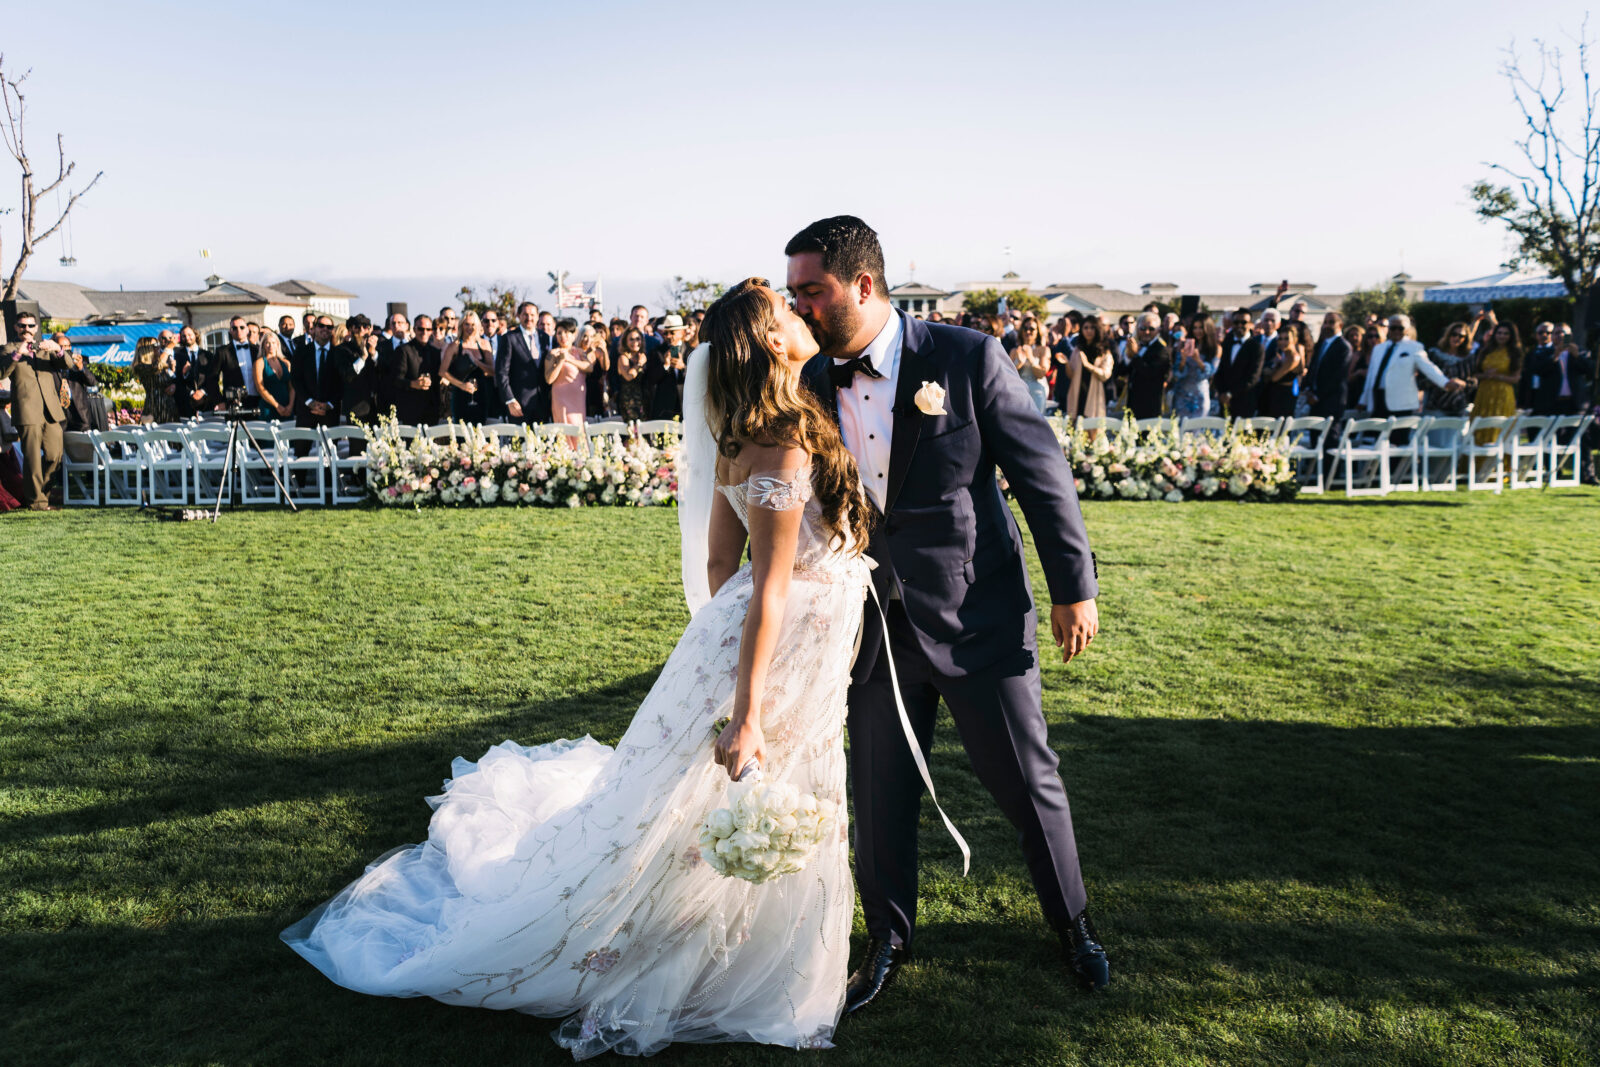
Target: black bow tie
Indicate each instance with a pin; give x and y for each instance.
(843, 374)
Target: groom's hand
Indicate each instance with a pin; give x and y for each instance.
(1074, 626)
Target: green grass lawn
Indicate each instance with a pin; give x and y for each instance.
(1335, 770)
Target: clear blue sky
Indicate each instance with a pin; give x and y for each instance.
(401, 148)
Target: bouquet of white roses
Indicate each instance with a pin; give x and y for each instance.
(769, 829)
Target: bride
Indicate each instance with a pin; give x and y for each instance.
(565, 880)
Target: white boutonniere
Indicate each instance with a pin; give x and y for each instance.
(930, 398)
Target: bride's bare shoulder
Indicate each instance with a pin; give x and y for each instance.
(773, 460)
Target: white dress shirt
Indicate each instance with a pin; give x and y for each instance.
(1400, 390)
(241, 353)
(866, 410)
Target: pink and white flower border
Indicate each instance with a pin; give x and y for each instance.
(1163, 463)
(480, 469)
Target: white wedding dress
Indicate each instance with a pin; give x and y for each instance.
(564, 880)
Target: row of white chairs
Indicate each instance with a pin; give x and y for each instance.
(184, 463)
(1526, 451)
(1522, 452)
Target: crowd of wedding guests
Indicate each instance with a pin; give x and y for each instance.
(470, 366)
(478, 367)
(1281, 364)
(1278, 365)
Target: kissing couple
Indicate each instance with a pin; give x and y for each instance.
(851, 451)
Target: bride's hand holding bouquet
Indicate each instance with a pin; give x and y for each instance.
(739, 744)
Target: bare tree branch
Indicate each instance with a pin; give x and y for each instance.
(13, 133)
(1551, 206)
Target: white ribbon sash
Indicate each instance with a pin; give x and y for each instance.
(911, 735)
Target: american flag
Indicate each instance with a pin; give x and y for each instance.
(575, 295)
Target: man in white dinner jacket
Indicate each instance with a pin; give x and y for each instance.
(1391, 387)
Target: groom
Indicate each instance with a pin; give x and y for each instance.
(954, 584)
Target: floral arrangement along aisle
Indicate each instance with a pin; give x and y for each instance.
(1163, 463)
(478, 468)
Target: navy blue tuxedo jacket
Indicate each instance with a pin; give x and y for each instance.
(1330, 369)
(519, 375)
(947, 541)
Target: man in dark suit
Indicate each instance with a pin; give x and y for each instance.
(36, 370)
(929, 411)
(1544, 344)
(1244, 376)
(1330, 367)
(404, 384)
(287, 340)
(1559, 381)
(197, 374)
(356, 363)
(236, 363)
(1559, 384)
(519, 369)
(1239, 331)
(1327, 380)
(317, 387)
(1149, 367)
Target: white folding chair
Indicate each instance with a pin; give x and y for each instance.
(1204, 424)
(304, 472)
(1527, 448)
(80, 469)
(347, 466)
(572, 436)
(1093, 422)
(506, 433)
(208, 455)
(258, 463)
(1307, 437)
(1439, 455)
(1566, 446)
(652, 427)
(1262, 424)
(122, 467)
(445, 431)
(613, 429)
(1146, 425)
(1400, 461)
(166, 456)
(1495, 450)
(1360, 452)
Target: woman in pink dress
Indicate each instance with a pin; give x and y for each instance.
(567, 371)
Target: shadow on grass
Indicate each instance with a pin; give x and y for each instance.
(1437, 873)
(214, 772)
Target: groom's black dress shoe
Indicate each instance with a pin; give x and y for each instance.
(1085, 955)
(877, 969)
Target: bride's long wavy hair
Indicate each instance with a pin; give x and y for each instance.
(754, 395)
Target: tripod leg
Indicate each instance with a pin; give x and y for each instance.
(227, 470)
(271, 468)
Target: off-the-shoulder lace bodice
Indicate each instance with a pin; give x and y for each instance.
(777, 494)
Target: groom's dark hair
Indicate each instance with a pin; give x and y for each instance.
(849, 247)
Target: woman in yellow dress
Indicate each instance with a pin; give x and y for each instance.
(1499, 367)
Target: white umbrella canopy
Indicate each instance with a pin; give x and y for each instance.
(1506, 285)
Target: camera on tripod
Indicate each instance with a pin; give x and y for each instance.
(234, 398)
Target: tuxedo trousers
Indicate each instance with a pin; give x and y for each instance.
(41, 459)
(1000, 720)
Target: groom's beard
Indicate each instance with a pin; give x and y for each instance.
(834, 330)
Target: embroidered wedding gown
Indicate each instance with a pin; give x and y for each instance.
(564, 880)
